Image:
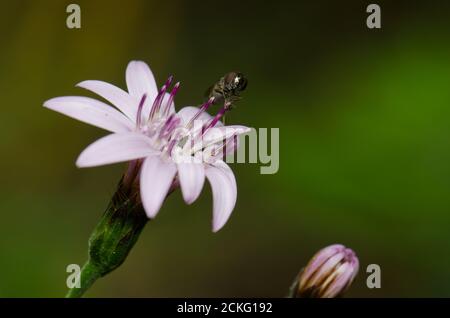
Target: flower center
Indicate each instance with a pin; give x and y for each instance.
(165, 129)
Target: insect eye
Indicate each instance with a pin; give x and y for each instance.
(242, 83)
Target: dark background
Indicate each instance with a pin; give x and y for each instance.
(364, 140)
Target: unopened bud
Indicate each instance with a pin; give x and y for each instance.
(328, 274)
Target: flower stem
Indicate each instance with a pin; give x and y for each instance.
(292, 293)
(113, 238)
(117, 232)
(89, 274)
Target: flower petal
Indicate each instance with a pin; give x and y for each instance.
(232, 144)
(116, 96)
(91, 111)
(192, 178)
(318, 260)
(116, 148)
(219, 134)
(156, 179)
(341, 281)
(186, 114)
(140, 81)
(326, 268)
(224, 190)
(221, 150)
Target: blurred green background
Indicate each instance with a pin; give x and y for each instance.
(364, 118)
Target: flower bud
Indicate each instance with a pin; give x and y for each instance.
(113, 237)
(117, 232)
(328, 274)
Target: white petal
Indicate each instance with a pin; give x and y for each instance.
(192, 178)
(186, 114)
(91, 111)
(219, 150)
(224, 190)
(232, 145)
(140, 81)
(115, 148)
(343, 278)
(116, 96)
(156, 179)
(219, 134)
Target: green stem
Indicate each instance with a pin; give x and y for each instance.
(113, 237)
(89, 274)
(116, 233)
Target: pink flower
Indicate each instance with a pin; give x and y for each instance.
(329, 273)
(187, 146)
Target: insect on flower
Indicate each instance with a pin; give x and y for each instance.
(185, 147)
(228, 89)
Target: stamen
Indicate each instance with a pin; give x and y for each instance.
(172, 144)
(166, 125)
(168, 81)
(176, 137)
(158, 100)
(172, 96)
(139, 112)
(169, 126)
(219, 115)
(203, 108)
